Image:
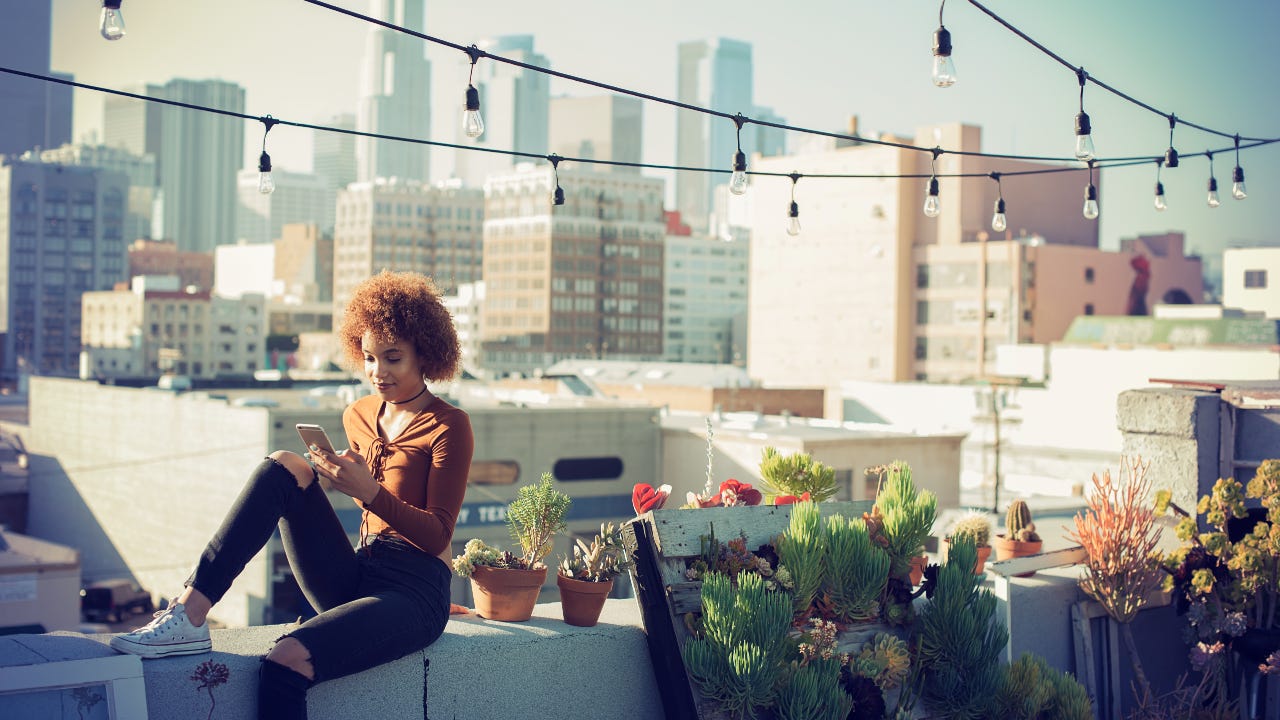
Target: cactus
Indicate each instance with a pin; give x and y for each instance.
(1018, 525)
(974, 526)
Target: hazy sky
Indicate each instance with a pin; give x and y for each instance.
(816, 63)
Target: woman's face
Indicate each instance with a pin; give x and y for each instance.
(392, 368)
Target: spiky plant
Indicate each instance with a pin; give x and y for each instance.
(885, 659)
(602, 560)
(813, 692)
(797, 474)
(1032, 690)
(535, 517)
(959, 640)
(802, 549)
(908, 516)
(974, 526)
(1017, 523)
(740, 657)
(857, 571)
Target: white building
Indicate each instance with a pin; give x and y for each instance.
(514, 103)
(298, 198)
(1251, 279)
(705, 289)
(395, 94)
(406, 226)
(466, 306)
(601, 127)
(333, 154)
(245, 268)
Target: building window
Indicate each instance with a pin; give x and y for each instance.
(587, 468)
(1088, 308)
(494, 472)
(1088, 275)
(1255, 278)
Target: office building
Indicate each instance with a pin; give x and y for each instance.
(194, 270)
(583, 279)
(134, 125)
(333, 154)
(395, 95)
(705, 290)
(602, 127)
(61, 235)
(37, 114)
(467, 307)
(140, 169)
(406, 226)
(515, 105)
(304, 263)
(298, 198)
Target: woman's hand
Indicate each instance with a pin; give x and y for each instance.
(347, 472)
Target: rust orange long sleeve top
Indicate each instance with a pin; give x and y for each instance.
(422, 472)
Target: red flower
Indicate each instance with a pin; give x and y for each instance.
(733, 493)
(790, 499)
(644, 498)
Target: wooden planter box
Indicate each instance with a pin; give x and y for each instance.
(660, 542)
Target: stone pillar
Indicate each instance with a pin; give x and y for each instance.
(1177, 431)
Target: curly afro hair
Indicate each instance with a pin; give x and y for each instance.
(402, 306)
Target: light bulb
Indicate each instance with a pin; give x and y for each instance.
(1084, 140)
(793, 220)
(931, 206)
(1171, 157)
(1091, 202)
(112, 23)
(944, 70)
(738, 181)
(266, 184)
(1213, 193)
(1160, 203)
(998, 220)
(557, 198)
(472, 123)
(1237, 184)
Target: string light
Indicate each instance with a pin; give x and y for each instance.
(738, 181)
(1171, 155)
(472, 123)
(1084, 137)
(111, 24)
(1213, 183)
(998, 221)
(793, 213)
(1237, 176)
(931, 205)
(944, 69)
(266, 185)
(1091, 197)
(1159, 202)
(557, 197)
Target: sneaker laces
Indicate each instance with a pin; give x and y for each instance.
(160, 617)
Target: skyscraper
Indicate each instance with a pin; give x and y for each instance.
(603, 127)
(395, 95)
(715, 74)
(36, 113)
(515, 105)
(333, 155)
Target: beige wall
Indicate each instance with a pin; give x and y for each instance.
(1235, 262)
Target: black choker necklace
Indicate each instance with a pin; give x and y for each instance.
(415, 397)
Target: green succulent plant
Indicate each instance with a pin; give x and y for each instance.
(857, 571)
(1017, 523)
(602, 560)
(797, 474)
(535, 517)
(906, 516)
(975, 526)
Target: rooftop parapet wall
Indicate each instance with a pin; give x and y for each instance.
(478, 670)
(1178, 431)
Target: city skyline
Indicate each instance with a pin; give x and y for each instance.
(305, 62)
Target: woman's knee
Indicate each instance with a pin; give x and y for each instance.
(294, 463)
(294, 655)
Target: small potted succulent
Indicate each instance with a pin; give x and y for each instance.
(977, 527)
(586, 576)
(506, 586)
(1019, 538)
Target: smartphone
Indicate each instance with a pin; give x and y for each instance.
(315, 435)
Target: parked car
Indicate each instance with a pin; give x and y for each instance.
(113, 600)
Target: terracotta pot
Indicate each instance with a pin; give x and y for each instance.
(582, 600)
(1009, 549)
(984, 552)
(506, 594)
(918, 565)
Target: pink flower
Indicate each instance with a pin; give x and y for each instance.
(645, 498)
(733, 493)
(697, 501)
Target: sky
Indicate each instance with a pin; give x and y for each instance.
(817, 62)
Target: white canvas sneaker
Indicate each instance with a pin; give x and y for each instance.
(170, 633)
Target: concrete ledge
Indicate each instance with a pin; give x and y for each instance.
(478, 670)
(1174, 412)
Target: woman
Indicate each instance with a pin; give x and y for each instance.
(407, 467)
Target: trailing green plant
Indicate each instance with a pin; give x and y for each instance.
(741, 655)
(885, 660)
(1017, 523)
(1033, 690)
(535, 517)
(857, 571)
(602, 560)
(975, 526)
(813, 692)
(478, 553)
(802, 549)
(906, 516)
(796, 474)
(960, 642)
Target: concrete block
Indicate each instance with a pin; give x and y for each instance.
(1165, 411)
(1187, 467)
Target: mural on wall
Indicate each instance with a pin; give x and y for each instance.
(1141, 283)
